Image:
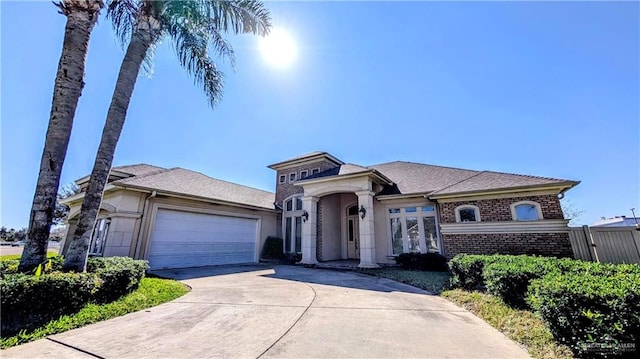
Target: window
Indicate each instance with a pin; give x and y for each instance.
(304, 174)
(292, 177)
(526, 211)
(413, 229)
(467, 213)
(99, 237)
(315, 171)
(282, 179)
(292, 223)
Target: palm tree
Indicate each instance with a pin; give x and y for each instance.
(82, 16)
(191, 27)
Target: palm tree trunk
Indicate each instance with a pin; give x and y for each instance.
(81, 18)
(76, 256)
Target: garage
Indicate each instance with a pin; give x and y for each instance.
(185, 239)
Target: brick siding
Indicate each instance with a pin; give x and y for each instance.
(495, 210)
(545, 244)
(284, 190)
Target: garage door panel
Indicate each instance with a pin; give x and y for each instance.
(184, 239)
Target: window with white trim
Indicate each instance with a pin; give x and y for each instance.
(282, 179)
(315, 171)
(413, 229)
(292, 223)
(304, 174)
(292, 177)
(526, 211)
(99, 237)
(467, 213)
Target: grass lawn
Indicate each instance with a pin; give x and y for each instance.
(433, 282)
(151, 292)
(11, 257)
(521, 326)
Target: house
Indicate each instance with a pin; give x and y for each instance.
(618, 221)
(327, 210)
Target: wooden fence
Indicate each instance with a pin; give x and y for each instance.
(606, 244)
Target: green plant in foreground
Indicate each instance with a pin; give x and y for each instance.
(151, 292)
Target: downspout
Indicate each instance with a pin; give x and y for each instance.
(141, 230)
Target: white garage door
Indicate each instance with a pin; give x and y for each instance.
(185, 239)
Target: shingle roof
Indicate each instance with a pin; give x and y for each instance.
(139, 169)
(488, 180)
(412, 177)
(182, 181)
(349, 168)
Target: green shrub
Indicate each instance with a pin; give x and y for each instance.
(596, 315)
(423, 261)
(466, 270)
(292, 258)
(118, 275)
(272, 248)
(508, 278)
(28, 301)
(9, 267)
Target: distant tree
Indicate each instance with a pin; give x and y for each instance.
(21, 234)
(3, 233)
(62, 210)
(82, 15)
(571, 212)
(193, 28)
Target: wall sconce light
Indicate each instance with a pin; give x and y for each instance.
(305, 216)
(363, 211)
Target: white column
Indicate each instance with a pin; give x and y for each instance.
(309, 234)
(367, 231)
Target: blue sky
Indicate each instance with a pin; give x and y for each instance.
(541, 88)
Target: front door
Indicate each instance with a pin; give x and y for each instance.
(353, 237)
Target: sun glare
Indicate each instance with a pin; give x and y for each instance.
(279, 48)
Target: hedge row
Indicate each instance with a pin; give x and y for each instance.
(591, 307)
(423, 261)
(28, 301)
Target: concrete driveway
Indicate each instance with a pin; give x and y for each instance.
(284, 312)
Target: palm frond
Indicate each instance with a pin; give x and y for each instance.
(122, 14)
(192, 51)
(244, 16)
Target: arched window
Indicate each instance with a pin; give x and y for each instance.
(526, 211)
(467, 213)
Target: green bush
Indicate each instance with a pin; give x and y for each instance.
(292, 258)
(272, 248)
(466, 270)
(28, 301)
(423, 261)
(9, 267)
(508, 277)
(596, 315)
(118, 276)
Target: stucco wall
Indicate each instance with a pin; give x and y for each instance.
(331, 223)
(127, 219)
(124, 210)
(268, 223)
